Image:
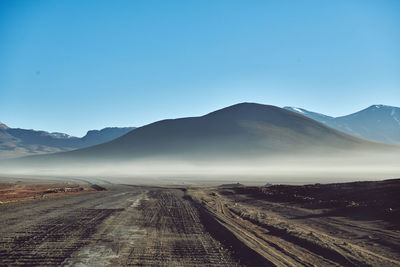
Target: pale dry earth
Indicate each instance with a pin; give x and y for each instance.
(16, 192)
(288, 233)
(124, 226)
(196, 226)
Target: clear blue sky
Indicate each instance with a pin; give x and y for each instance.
(71, 66)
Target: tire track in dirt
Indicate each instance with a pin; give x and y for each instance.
(36, 246)
(47, 232)
(281, 240)
(175, 235)
(114, 239)
(125, 226)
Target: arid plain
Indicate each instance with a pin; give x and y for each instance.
(348, 224)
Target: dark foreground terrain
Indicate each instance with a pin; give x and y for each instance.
(348, 224)
(123, 226)
(353, 224)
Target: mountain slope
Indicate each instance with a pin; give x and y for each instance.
(95, 137)
(312, 115)
(3, 126)
(377, 123)
(16, 142)
(237, 131)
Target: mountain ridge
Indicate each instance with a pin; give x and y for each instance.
(377, 123)
(3, 126)
(241, 130)
(244, 128)
(17, 142)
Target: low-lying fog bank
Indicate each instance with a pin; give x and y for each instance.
(284, 169)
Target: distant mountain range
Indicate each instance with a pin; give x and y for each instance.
(15, 142)
(246, 129)
(377, 123)
(241, 131)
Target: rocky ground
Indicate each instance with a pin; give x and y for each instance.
(16, 192)
(353, 224)
(349, 224)
(123, 226)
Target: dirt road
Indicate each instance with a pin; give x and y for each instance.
(284, 232)
(206, 226)
(124, 226)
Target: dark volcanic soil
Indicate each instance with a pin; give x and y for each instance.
(353, 224)
(360, 200)
(124, 226)
(349, 224)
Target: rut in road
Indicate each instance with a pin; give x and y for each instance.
(175, 235)
(53, 240)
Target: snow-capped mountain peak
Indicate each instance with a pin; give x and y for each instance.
(61, 135)
(379, 123)
(3, 126)
(298, 110)
(313, 115)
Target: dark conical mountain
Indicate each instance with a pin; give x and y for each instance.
(240, 130)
